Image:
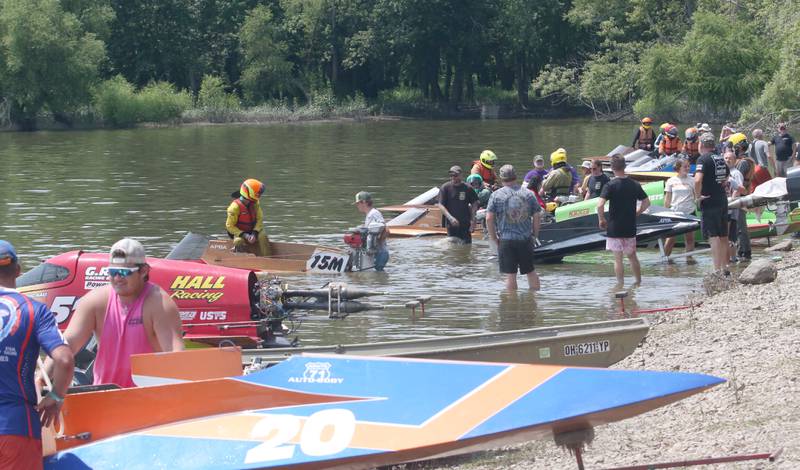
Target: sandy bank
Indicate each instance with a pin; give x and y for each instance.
(749, 335)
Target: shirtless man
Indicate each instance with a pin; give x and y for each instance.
(129, 316)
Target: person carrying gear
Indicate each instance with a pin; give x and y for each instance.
(691, 146)
(671, 143)
(645, 136)
(559, 180)
(245, 222)
(484, 167)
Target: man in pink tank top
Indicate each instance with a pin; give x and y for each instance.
(129, 316)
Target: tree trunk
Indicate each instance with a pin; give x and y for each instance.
(458, 84)
(448, 76)
(522, 81)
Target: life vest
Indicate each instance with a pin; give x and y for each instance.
(486, 173)
(646, 137)
(669, 146)
(561, 190)
(748, 177)
(247, 216)
(691, 149)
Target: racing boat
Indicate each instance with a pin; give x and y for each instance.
(571, 235)
(350, 412)
(581, 233)
(285, 257)
(598, 344)
(419, 217)
(216, 303)
(775, 219)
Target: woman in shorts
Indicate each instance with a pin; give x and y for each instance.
(679, 196)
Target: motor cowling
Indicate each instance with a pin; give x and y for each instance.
(356, 238)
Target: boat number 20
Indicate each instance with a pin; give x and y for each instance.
(325, 432)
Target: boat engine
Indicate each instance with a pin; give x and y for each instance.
(362, 244)
(277, 307)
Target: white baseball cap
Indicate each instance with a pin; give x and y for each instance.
(127, 252)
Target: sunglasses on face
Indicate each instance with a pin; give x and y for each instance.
(122, 272)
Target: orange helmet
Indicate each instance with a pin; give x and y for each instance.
(647, 121)
(252, 189)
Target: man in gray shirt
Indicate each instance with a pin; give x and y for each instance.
(512, 219)
(759, 149)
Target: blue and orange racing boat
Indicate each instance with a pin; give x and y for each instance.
(351, 412)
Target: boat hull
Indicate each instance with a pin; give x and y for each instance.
(355, 412)
(598, 344)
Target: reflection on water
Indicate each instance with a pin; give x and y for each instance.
(84, 190)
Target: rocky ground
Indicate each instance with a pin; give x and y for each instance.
(749, 335)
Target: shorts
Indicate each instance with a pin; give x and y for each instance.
(515, 254)
(20, 452)
(714, 222)
(462, 232)
(625, 245)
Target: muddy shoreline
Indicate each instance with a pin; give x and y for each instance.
(747, 335)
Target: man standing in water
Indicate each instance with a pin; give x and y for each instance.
(26, 326)
(622, 193)
(512, 219)
(129, 316)
(458, 203)
(373, 216)
(710, 181)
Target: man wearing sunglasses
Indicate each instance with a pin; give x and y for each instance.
(129, 316)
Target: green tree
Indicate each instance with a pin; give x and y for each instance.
(266, 72)
(47, 59)
(719, 67)
(155, 40)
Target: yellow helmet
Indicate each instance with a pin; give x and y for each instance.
(488, 158)
(739, 141)
(559, 156)
(252, 189)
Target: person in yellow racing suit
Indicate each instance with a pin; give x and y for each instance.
(245, 222)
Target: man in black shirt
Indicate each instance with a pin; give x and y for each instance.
(458, 203)
(710, 179)
(785, 147)
(622, 193)
(597, 181)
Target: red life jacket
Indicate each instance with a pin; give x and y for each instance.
(247, 216)
(486, 173)
(760, 175)
(646, 137)
(670, 146)
(691, 149)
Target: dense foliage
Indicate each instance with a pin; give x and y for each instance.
(666, 58)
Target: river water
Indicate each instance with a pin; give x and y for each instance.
(86, 189)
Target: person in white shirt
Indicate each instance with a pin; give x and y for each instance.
(679, 196)
(364, 204)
